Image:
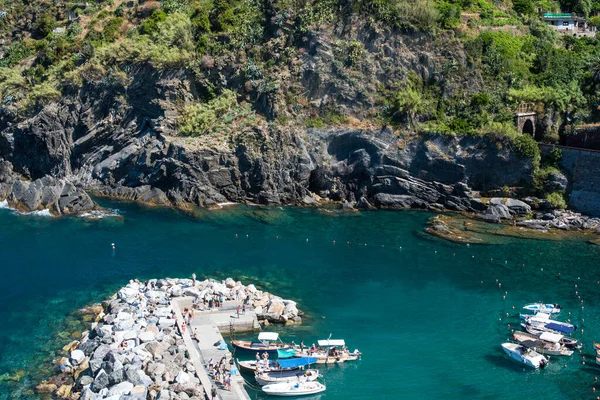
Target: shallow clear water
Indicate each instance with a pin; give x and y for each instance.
(429, 316)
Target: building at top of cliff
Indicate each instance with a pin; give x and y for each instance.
(569, 24)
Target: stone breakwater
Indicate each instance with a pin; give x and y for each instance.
(135, 348)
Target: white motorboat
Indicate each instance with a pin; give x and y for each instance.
(268, 378)
(524, 355)
(526, 317)
(289, 372)
(294, 389)
(547, 343)
(545, 308)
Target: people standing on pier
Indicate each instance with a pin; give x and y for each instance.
(183, 327)
(244, 309)
(239, 308)
(228, 382)
(301, 345)
(213, 393)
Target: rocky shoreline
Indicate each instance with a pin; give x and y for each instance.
(135, 347)
(553, 225)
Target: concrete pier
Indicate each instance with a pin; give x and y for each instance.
(209, 325)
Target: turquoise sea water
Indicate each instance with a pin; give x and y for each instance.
(429, 316)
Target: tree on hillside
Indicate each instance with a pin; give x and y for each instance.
(44, 25)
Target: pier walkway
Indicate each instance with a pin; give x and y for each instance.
(209, 325)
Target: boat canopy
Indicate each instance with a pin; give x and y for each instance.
(297, 362)
(529, 343)
(560, 327)
(328, 342)
(542, 315)
(268, 336)
(286, 353)
(551, 337)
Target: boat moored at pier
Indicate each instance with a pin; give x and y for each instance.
(330, 351)
(268, 342)
(294, 389)
(291, 370)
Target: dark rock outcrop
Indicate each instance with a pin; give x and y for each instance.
(132, 151)
(57, 195)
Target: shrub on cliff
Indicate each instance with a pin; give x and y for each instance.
(557, 200)
(12, 83)
(150, 25)
(200, 118)
(525, 146)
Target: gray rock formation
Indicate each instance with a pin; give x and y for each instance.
(518, 207)
(133, 152)
(495, 213)
(47, 193)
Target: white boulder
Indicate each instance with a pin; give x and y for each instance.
(166, 322)
(77, 356)
(162, 311)
(123, 316)
(251, 288)
(182, 377)
(276, 306)
(127, 293)
(130, 335)
(176, 291)
(230, 283)
(121, 389)
(146, 336)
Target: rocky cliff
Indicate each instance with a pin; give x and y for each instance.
(91, 141)
(114, 131)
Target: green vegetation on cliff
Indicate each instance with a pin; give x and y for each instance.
(458, 67)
